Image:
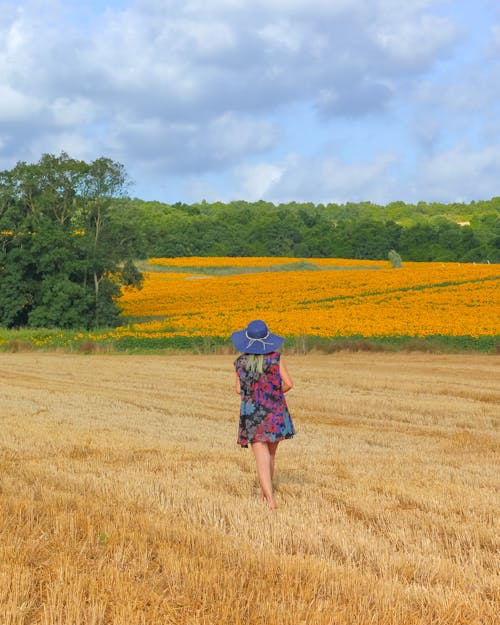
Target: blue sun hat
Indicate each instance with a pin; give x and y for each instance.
(256, 339)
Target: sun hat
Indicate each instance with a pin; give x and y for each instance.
(256, 339)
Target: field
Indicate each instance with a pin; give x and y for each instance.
(125, 500)
(318, 297)
(195, 303)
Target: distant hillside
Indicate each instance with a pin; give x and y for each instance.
(421, 232)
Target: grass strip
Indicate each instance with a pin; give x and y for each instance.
(68, 341)
(230, 270)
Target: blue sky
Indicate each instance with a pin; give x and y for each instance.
(281, 100)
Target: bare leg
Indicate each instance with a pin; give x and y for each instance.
(272, 451)
(263, 461)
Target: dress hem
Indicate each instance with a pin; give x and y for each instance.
(276, 440)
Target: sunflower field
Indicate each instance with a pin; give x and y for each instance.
(339, 298)
(186, 302)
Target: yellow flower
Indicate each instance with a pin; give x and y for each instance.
(419, 299)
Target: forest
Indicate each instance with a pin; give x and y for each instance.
(422, 232)
(70, 235)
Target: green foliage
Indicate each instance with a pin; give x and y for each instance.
(423, 232)
(131, 276)
(61, 242)
(395, 259)
(102, 539)
(61, 303)
(106, 312)
(26, 340)
(19, 283)
(68, 236)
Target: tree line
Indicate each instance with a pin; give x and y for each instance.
(69, 235)
(423, 232)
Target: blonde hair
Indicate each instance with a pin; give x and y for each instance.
(255, 363)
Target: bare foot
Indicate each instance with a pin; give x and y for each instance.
(272, 504)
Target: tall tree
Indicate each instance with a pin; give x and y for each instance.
(61, 252)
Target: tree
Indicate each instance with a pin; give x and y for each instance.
(62, 255)
(395, 259)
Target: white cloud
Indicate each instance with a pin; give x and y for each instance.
(232, 135)
(456, 174)
(196, 146)
(189, 61)
(193, 87)
(461, 173)
(76, 144)
(320, 179)
(73, 111)
(283, 36)
(15, 105)
(289, 7)
(417, 41)
(257, 181)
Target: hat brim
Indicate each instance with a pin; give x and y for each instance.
(256, 346)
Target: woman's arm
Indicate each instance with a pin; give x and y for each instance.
(238, 385)
(286, 380)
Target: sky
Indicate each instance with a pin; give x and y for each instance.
(281, 100)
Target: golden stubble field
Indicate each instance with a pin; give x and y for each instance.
(125, 500)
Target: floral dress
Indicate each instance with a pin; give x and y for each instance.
(264, 415)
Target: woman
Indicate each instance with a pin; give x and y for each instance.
(262, 381)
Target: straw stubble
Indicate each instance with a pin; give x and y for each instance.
(126, 501)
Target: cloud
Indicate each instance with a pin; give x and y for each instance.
(181, 59)
(257, 181)
(182, 63)
(191, 146)
(414, 43)
(320, 179)
(203, 87)
(364, 97)
(73, 111)
(461, 173)
(15, 105)
(76, 144)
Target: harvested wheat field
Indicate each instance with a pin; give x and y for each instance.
(126, 501)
